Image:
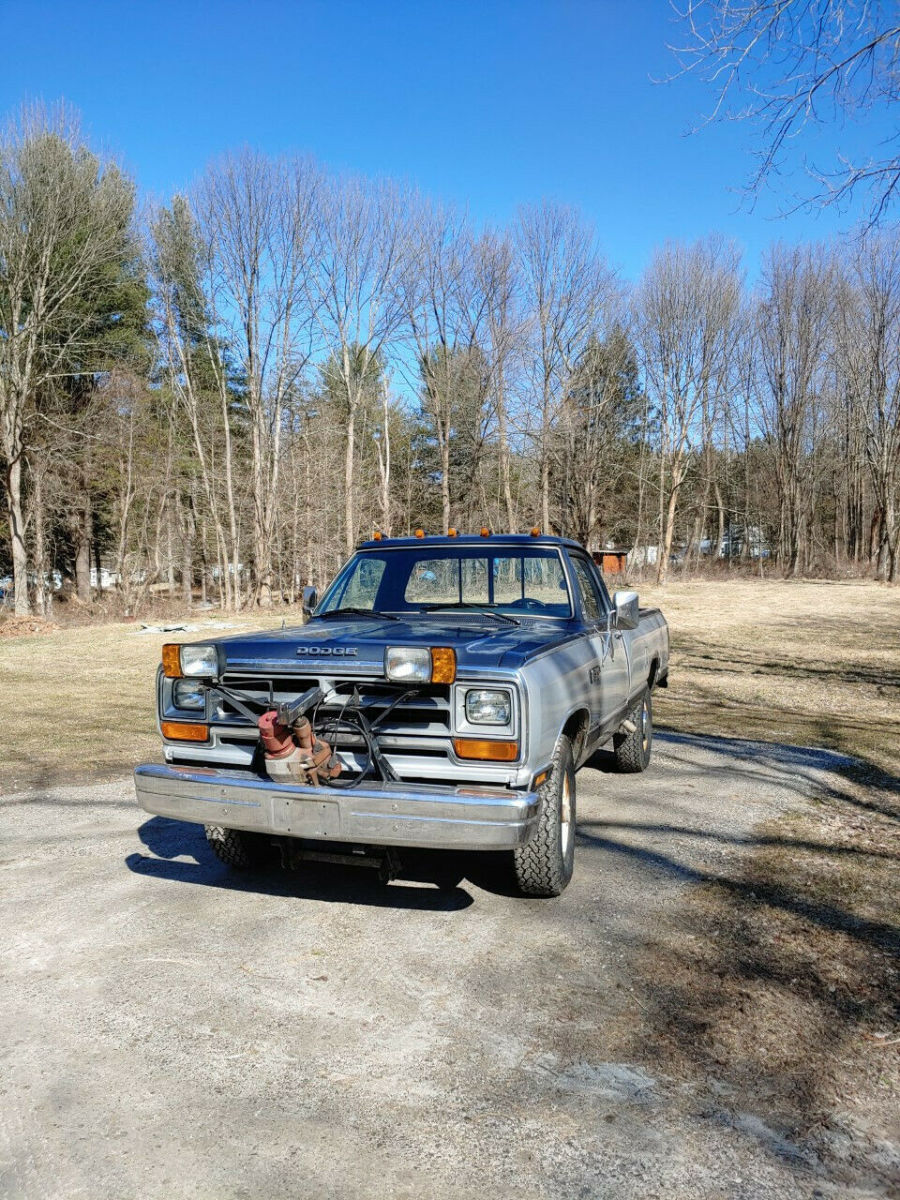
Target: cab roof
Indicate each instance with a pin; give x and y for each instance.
(470, 539)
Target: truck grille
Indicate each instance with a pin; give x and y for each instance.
(424, 715)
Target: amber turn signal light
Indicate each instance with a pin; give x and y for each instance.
(485, 750)
(171, 660)
(184, 731)
(443, 664)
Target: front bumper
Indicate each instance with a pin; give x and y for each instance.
(381, 814)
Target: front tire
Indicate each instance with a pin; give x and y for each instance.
(236, 848)
(544, 865)
(632, 750)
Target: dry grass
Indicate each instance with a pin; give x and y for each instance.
(807, 663)
(79, 703)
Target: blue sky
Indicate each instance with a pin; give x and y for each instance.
(488, 103)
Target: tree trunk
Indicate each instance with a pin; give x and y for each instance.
(187, 553)
(349, 484)
(662, 559)
(445, 480)
(663, 569)
(40, 555)
(83, 530)
(95, 547)
(17, 536)
(503, 446)
(720, 510)
(545, 491)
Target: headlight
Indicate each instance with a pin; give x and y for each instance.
(488, 708)
(199, 661)
(420, 664)
(188, 693)
(408, 664)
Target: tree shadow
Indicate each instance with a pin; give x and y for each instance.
(879, 934)
(772, 989)
(804, 769)
(775, 991)
(29, 775)
(748, 662)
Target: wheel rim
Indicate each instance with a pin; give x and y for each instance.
(645, 726)
(565, 814)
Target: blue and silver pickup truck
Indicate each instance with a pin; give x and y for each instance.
(443, 693)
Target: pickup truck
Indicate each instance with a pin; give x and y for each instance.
(442, 694)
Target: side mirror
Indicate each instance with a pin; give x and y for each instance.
(626, 612)
(309, 601)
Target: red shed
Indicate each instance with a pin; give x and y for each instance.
(612, 562)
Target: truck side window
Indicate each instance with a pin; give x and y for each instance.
(590, 600)
(600, 584)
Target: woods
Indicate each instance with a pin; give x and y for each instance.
(217, 398)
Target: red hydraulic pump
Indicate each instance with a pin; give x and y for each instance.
(293, 753)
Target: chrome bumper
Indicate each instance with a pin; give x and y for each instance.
(383, 814)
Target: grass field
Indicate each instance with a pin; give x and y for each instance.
(804, 662)
(79, 703)
(808, 663)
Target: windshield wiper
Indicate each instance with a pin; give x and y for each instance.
(355, 612)
(479, 608)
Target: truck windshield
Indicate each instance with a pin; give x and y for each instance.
(513, 579)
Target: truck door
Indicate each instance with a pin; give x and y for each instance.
(609, 674)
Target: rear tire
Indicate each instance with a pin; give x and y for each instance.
(544, 865)
(632, 750)
(236, 848)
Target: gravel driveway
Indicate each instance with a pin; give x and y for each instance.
(173, 1029)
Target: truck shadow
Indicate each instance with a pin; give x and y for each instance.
(178, 851)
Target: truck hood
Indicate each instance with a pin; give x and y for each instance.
(480, 643)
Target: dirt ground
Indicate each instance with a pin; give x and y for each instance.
(172, 1029)
(709, 1011)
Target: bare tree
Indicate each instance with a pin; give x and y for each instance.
(257, 217)
(498, 280)
(868, 324)
(358, 296)
(447, 316)
(565, 287)
(793, 330)
(601, 415)
(199, 375)
(787, 64)
(687, 304)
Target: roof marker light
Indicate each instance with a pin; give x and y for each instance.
(420, 533)
(451, 532)
(377, 535)
(535, 531)
(485, 532)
